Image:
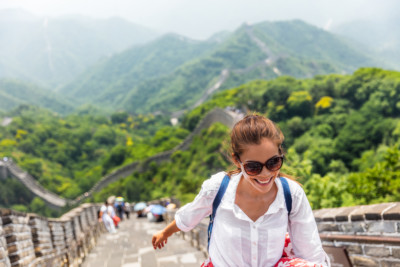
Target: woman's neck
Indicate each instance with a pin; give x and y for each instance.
(247, 190)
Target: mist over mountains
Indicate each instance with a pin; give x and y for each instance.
(113, 64)
(52, 51)
(381, 37)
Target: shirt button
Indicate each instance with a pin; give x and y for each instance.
(254, 243)
(254, 227)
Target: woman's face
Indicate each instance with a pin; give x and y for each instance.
(264, 181)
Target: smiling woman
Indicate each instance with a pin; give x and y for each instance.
(250, 220)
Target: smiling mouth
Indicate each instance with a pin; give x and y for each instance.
(263, 182)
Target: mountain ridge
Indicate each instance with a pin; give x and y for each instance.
(261, 51)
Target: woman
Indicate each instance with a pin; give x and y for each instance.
(252, 219)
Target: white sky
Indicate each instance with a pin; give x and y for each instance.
(201, 18)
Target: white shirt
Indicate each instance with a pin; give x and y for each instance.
(236, 240)
(111, 211)
(105, 216)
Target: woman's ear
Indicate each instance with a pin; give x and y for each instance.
(235, 159)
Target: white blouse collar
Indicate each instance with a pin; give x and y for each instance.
(276, 205)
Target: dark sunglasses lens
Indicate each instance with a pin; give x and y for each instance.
(274, 164)
(253, 168)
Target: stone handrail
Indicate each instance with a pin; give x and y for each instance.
(370, 234)
(32, 240)
(8, 168)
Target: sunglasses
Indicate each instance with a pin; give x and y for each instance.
(253, 168)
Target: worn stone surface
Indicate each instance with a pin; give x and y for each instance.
(381, 227)
(396, 252)
(323, 215)
(373, 212)
(131, 247)
(353, 228)
(377, 251)
(16, 228)
(15, 237)
(330, 227)
(342, 214)
(358, 214)
(352, 248)
(364, 261)
(392, 213)
(390, 263)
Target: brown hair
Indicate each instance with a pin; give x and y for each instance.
(251, 130)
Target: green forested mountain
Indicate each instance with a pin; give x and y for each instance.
(342, 140)
(265, 50)
(53, 51)
(109, 82)
(14, 93)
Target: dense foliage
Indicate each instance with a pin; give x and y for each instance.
(68, 155)
(342, 139)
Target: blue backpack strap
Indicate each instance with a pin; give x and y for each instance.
(287, 194)
(217, 201)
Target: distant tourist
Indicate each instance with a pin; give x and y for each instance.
(105, 216)
(127, 210)
(119, 207)
(257, 209)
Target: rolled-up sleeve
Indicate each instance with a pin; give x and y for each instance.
(303, 230)
(188, 216)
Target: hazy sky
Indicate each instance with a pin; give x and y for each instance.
(201, 18)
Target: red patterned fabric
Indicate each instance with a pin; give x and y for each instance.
(288, 258)
(207, 263)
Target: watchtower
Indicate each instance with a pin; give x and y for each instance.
(3, 170)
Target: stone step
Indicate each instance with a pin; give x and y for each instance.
(131, 247)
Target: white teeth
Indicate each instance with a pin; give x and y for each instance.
(264, 182)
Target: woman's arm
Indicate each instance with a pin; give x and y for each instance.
(188, 216)
(160, 238)
(303, 231)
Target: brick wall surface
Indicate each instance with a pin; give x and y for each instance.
(18, 237)
(370, 233)
(41, 236)
(32, 240)
(57, 236)
(4, 261)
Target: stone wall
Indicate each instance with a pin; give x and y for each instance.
(4, 260)
(33, 240)
(370, 234)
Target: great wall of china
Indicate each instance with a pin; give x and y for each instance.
(369, 235)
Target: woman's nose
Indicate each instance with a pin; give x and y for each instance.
(265, 171)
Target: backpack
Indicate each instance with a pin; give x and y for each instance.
(221, 192)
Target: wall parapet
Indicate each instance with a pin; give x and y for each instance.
(28, 239)
(370, 234)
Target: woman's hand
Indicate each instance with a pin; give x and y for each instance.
(159, 239)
